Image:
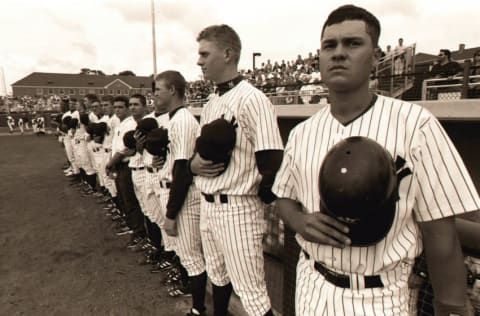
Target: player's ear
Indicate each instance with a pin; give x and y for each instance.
(228, 54)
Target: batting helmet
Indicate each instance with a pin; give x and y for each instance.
(157, 142)
(129, 141)
(217, 140)
(358, 186)
(146, 125)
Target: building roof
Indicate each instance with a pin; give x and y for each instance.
(45, 79)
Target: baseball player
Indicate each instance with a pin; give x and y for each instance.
(10, 123)
(67, 140)
(20, 125)
(118, 165)
(333, 276)
(153, 207)
(112, 122)
(40, 125)
(235, 183)
(182, 201)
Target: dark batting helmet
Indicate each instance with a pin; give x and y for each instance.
(217, 140)
(129, 141)
(157, 142)
(358, 186)
(146, 125)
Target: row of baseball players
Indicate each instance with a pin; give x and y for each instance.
(212, 197)
(38, 124)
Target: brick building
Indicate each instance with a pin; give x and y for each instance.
(77, 85)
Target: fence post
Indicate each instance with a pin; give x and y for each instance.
(466, 78)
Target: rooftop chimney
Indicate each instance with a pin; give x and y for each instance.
(461, 48)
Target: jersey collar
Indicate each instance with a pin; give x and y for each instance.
(172, 113)
(224, 87)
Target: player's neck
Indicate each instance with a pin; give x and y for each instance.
(345, 107)
(175, 105)
(227, 75)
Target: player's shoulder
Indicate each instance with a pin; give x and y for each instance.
(406, 110)
(311, 124)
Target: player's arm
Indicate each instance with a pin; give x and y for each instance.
(181, 181)
(206, 168)
(268, 163)
(314, 227)
(446, 266)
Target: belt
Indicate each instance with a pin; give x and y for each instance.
(137, 168)
(107, 150)
(152, 170)
(341, 280)
(211, 198)
(96, 150)
(165, 185)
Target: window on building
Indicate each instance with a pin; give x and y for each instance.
(81, 91)
(101, 91)
(110, 91)
(39, 91)
(72, 91)
(61, 91)
(125, 92)
(119, 91)
(50, 91)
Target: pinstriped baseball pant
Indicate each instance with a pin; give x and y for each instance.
(162, 196)
(107, 181)
(67, 142)
(97, 165)
(188, 244)
(232, 236)
(138, 179)
(316, 296)
(153, 204)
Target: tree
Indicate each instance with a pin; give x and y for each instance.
(126, 73)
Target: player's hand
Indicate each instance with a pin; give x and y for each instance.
(170, 227)
(323, 229)
(158, 162)
(140, 140)
(129, 152)
(206, 168)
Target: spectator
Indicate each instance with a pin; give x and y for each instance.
(474, 91)
(388, 52)
(399, 48)
(445, 66)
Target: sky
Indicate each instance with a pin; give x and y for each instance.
(115, 35)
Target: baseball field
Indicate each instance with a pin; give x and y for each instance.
(58, 252)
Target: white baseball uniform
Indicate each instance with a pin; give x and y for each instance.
(20, 124)
(112, 123)
(182, 133)
(10, 123)
(232, 224)
(438, 187)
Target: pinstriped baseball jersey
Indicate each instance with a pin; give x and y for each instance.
(257, 130)
(438, 187)
(182, 133)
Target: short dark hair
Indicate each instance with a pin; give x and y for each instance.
(224, 36)
(447, 52)
(141, 97)
(122, 98)
(107, 98)
(174, 79)
(91, 97)
(350, 12)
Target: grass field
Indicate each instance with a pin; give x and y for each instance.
(59, 255)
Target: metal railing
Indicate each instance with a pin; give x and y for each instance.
(451, 88)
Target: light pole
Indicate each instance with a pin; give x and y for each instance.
(255, 55)
(154, 43)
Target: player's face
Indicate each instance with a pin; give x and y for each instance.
(96, 108)
(107, 108)
(137, 109)
(347, 56)
(211, 59)
(163, 96)
(121, 110)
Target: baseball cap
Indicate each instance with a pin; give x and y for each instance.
(358, 186)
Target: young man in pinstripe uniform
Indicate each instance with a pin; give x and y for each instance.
(232, 221)
(436, 188)
(182, 217)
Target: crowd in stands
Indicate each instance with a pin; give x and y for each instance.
(279, 78)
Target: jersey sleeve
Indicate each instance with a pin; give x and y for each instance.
(284, 184)
(445, 187)
(259, 121)
(183, 135)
